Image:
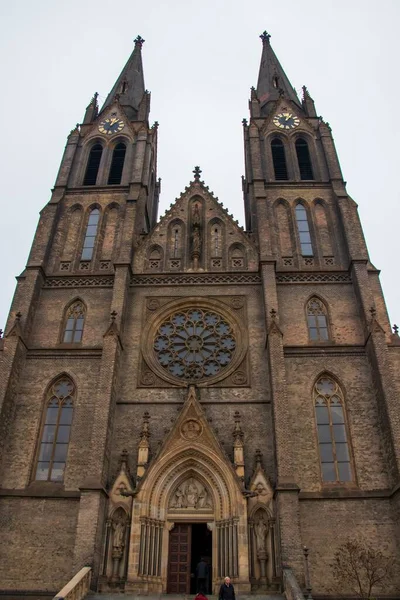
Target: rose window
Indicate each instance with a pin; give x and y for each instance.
(194, 344)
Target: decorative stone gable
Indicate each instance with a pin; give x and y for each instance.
(196, 235)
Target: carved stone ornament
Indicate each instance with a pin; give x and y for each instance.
(191, 495)
(187, 340)
(191, 429)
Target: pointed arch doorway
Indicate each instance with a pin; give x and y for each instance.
(191, 482)
(190, 543)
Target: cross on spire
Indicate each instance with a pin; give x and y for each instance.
(139, 41)
(197, 172)
(265, 37)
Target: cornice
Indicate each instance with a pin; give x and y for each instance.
(324, 350)
(179, 279)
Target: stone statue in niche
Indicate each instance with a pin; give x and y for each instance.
(196, 240)
(118, 526)
(196, 215)
(261, 530)
(191, 494)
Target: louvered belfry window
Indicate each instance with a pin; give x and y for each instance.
(279, 159)
(117, 165)
(304, 160)
(93, 165)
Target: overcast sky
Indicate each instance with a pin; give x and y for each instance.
(200, 60)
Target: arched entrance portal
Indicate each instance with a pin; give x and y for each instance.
(190, 485)
(190, 559)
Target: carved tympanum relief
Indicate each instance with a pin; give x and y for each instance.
(191, 495)
(191, 429)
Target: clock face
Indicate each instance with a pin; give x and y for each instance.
(111, 125)
(286, 120)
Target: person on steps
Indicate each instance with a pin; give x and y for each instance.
(226, 591)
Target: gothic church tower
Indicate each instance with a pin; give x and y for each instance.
(179, 388)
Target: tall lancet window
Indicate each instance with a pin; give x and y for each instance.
(304, 231)
(56, 429)
(90, 237)
(279, 159)
(304, 159)
(93, 165)
(317, 321)
(75, 319)
(117, 165)
(332, 431)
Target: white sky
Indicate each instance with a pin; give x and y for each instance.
(200, 60)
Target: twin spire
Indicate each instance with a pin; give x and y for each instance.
(129, 87)
(272, 80)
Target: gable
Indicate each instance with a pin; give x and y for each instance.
(196, 234)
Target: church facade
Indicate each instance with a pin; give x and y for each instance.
(183, 388)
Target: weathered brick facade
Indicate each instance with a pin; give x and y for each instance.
(135, 425)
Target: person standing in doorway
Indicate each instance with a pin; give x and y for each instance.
(226, 591)
(202, 576)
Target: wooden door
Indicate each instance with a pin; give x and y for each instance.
(179, 559)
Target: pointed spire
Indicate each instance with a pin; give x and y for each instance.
(129, 87)
(272, 80)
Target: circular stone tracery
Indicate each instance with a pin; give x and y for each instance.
(194, 344)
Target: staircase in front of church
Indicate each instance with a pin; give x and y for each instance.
(109, 596)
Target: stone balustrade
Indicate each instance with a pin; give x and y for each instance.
(77, 587)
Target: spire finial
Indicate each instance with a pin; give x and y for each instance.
(197, 172)
(139, 41)
(265, 37)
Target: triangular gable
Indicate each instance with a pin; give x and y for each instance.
(159, 240)
(191, 429)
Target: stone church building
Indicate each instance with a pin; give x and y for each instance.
(182, 388)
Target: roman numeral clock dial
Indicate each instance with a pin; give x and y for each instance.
(286, 120)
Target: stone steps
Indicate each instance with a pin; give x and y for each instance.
(118, 596)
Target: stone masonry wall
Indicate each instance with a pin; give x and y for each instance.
(37, 541)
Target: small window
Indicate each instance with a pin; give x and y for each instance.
(304, 231)
(117, 165)
(53, 449)
(332, 432)
(317, 321)
(304, 160)
(75, 319)
(93, 165)
(90, 237)
(279, 160)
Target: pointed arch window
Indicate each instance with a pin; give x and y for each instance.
(332, 431)
(304, 231)
(56, 430)
(117, 165)
(90, 237)
(317, 321)
(279, 159)
(93, 165)
(74, 322)
(304, 159)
